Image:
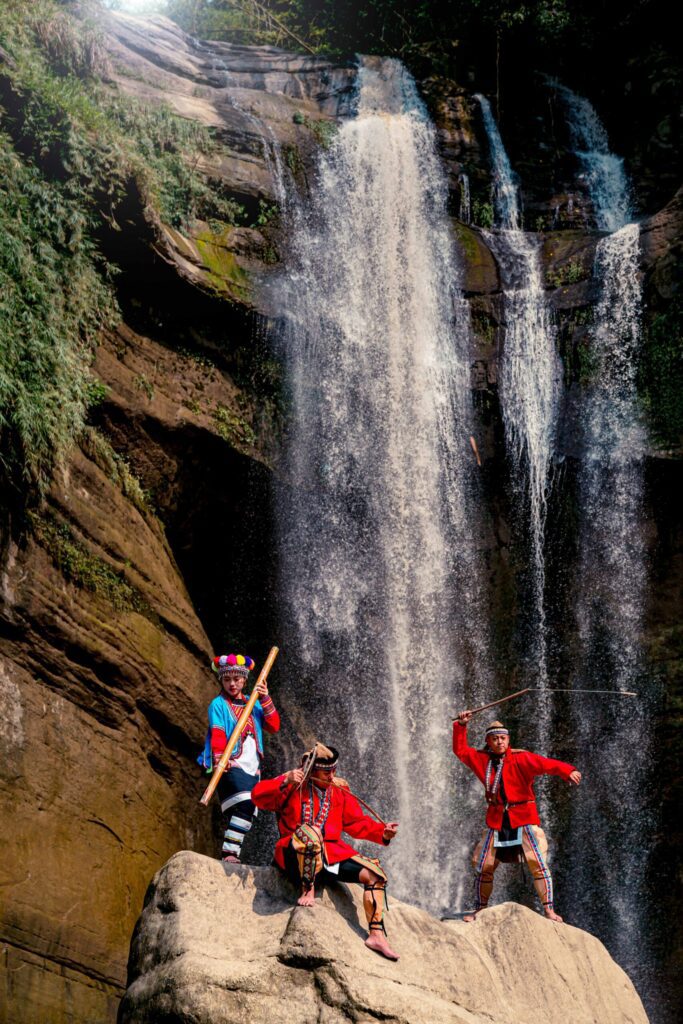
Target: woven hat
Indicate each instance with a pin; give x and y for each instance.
(239, 663)
(496, 729)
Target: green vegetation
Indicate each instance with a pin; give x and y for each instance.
(116, 467)
(142, 383)
(568, 273)
(661, 375)
(81, 567)
(71, 153)
(400, 27)
(482, 213)
(323, 131)
(55, 299)
(232, 427)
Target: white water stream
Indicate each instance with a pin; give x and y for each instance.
(529, 387)
(379, 567)
(611, 581)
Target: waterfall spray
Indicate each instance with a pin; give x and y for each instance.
(530, 374)
(611, 582)
(379, 568)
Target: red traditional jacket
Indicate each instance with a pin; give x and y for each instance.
(520, 767)
(345, 815)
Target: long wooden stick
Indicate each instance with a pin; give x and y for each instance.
(240, 726)
(475, 711)
(546, 689)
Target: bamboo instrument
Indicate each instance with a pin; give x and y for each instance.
(240, 726)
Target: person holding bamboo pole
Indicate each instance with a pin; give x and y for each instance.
(244, 768)
(513, 830)
(313, 809)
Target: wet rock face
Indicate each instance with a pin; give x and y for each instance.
(221, 946)
(103, 686)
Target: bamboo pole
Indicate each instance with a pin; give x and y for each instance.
(240, 726)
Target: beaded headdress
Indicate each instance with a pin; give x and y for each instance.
(240, 663)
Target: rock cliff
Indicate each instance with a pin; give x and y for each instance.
(111, 600)
(226, 946)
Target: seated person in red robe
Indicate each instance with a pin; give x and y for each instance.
(312, 813)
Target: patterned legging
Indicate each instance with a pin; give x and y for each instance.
(535, 851)
(234, 793)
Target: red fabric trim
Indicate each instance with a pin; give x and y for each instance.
(219, 741)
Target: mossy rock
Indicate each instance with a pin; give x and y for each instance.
(224, 271)
(479, 266)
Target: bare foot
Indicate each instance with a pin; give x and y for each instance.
(470, 917)
(231, 859)
(307, 899)
(551, 915)
(377, 941)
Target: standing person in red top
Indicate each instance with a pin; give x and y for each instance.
(513, 828)
(244, 767)
(312, 815)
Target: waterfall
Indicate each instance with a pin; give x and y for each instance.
(602, 172)
(610, 592)
(529, 382)
(378, 564)
(465, 205)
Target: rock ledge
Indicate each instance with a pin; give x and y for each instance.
(219, 945)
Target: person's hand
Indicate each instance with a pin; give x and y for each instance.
(575, 777)
(262, 689)
(294, 778)
(231, 764)
(390, 830)
(464, 717)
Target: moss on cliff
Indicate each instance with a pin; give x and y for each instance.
(73, 153)
(225, 273)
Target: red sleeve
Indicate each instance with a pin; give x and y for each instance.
(538, 765)
(271, 718)
(358, 824)
(270, 794)
(461, 748)
(218, 742)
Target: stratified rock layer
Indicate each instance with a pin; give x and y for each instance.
(221, 945)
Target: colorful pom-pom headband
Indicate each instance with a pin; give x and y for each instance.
(239, 663)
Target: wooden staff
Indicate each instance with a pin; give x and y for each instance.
(240, 726)
(545, 689)
(475, 711)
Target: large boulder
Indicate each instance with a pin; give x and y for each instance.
(225, 945)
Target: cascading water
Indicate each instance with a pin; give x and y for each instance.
(529, 383)
(603, 174)
(465, 204)
(379, 567)
(611, 582)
